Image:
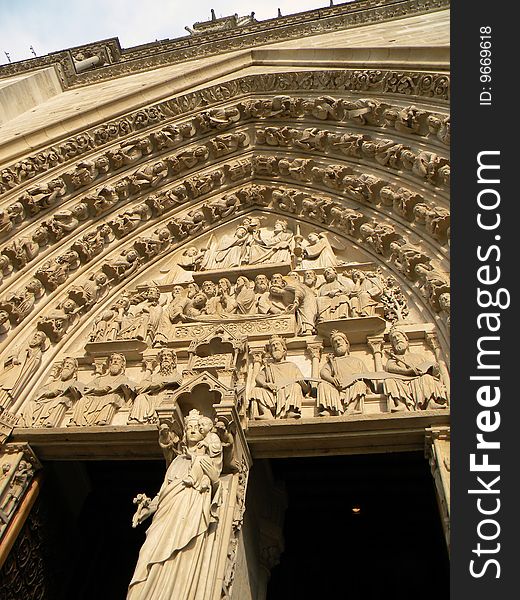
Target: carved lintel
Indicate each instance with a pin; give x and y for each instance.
(437, 451)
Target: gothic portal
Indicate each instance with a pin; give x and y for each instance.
(222, 249)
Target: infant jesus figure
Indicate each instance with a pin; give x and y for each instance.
(210, 447)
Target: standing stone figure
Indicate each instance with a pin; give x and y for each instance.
(343, 388)
(53, 400)
(171, 560)
(305, 304)
(18, 370)
(154, 387)
(280, 386)
(366, 293)
(418, 386)
(105, 396)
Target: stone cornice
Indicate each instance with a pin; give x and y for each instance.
(116, 62)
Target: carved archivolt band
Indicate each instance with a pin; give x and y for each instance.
(410, 120)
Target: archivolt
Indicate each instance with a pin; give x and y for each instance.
(377, 174)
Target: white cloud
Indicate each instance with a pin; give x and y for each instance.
(53, 25)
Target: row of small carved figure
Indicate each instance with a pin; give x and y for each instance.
(144, 316)
(372, 112)
(365, 188)
(39, 198)
(427, 166)
(410, 381)
(383, 238)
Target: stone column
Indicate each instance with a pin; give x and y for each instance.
(376, 346)
(437, 451)
(232, 511)
(315, 349)
(432, 341)
(18, 490)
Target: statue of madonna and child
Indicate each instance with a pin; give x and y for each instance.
(170, 560)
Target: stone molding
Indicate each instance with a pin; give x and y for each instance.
(387, 83)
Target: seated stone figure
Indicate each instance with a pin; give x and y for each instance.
(280, 386)
(418, 386)
(342, 388)
(105, 396)
(54, 398)
(334, 301)
(154, 387)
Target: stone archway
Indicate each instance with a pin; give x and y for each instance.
(110, 233)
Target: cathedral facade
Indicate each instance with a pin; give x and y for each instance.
(215, 252)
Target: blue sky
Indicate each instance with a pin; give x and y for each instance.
(51, 25)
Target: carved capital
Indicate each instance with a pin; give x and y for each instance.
(315, 349)
(376, 344)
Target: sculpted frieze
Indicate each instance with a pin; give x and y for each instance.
(342, 382)
(105, 395)
(364, 188)
(371, 112)
(425, 165)
(55, 272)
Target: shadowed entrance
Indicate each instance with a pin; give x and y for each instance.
(393, 547)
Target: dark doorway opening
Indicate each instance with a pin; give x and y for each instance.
(393, 547)
(91, 546)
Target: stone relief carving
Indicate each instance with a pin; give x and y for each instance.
(255, 301)
(425, 165)
(19, 368)
(183, 511)
(18, 464)
(53, 400)
(106, 394)
(44, 195)
(342, 389)
(156, 383)
(419, 386)
(55, 272)
(280, 386)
